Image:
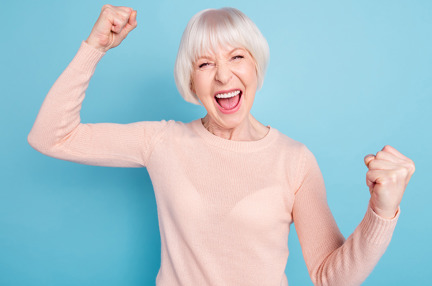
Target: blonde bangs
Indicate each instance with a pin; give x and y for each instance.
(211, 33)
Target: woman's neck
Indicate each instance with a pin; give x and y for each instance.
(249, 130)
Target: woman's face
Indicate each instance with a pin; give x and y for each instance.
(225, 83)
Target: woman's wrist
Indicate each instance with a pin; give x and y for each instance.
(385, 214)
(95, 45)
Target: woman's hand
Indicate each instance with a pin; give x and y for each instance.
(112, 26)
(388, 175)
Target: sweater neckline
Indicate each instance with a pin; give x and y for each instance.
(237, 146)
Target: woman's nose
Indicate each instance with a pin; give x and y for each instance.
(223, 74)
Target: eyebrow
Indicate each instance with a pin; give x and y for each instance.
(203, 57)
(235, 49)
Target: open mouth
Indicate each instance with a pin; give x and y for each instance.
(229, 101)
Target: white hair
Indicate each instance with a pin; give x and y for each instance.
(207, 31)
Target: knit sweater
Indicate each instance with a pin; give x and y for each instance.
(225, 207)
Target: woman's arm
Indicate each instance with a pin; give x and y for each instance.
(332, 260)
(57, 131)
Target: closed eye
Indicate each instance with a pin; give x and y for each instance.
(237, 57)
(203, 65)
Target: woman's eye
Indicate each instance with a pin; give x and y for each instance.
(203, 65)
(237, 57)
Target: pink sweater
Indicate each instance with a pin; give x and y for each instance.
(224, 207)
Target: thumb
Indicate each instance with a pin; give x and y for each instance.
(132, 23)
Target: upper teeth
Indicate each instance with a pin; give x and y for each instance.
(227, 95)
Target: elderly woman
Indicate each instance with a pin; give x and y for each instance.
(227, 187)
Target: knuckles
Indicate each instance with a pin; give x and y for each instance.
(379, 154)
(106, 6)
(411, 166)
(120, 13)
(386, 148)
(106, 11)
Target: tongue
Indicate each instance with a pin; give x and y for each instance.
(229, 103)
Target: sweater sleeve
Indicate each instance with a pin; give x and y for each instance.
(58, 132)
(330, 259)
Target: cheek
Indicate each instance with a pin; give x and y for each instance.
(195, 83)
(248, 74)
(250, 80)
(200, 86)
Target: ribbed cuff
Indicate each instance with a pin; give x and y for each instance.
(376, 229)
(86, 58)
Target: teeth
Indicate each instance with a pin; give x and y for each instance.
(228, 95)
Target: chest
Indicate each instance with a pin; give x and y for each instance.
(253, 191)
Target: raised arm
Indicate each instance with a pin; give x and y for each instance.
(58, 132)
(330, 259)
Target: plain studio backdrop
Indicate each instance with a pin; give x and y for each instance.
(345, 78)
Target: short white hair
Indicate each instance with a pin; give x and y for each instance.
(207, 31)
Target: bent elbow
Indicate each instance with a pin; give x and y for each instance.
(35, 143)
(40, 145)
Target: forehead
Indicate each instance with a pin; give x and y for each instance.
(212, 42)
(221, 51)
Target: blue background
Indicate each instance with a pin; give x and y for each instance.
(345, 78)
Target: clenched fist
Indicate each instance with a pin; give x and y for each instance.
(388, 175)
(112, 27)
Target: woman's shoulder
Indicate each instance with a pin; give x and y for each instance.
(289, 143)
(168, 128)
(294, 148)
